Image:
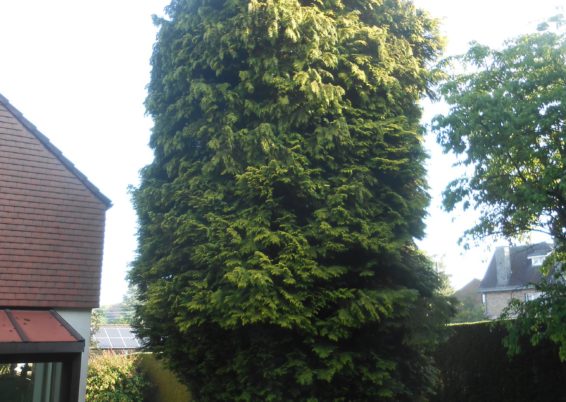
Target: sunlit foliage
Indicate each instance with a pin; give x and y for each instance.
(277, 221)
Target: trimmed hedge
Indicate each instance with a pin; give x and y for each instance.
(473, 362)
(475, 367)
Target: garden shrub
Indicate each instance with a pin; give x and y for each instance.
(115, 378)
(475, 366)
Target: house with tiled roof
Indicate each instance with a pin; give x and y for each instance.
(51, 237)
(512, 273)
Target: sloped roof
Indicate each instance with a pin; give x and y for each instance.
(55, 151)
(470, 290)
(522, 272)
(51, 222)
(37, 331)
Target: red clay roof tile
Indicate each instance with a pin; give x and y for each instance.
(51, 222)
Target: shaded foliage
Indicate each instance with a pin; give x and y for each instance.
(165, 387)
(542, 318)
(475, 367)
(469, 310)
(277, 221)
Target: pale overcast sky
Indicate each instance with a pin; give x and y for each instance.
(78, 70)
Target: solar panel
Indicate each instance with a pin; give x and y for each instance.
(112, 332)
(126, 333)
(103, 343)
(131, 343)
(116, 338)
(117, 343)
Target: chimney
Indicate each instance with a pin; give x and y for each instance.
(502, 265)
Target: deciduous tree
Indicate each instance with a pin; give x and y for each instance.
(507, 122)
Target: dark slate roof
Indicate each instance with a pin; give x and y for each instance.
(55, 151)
(522, 272)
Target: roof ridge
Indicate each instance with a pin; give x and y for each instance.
(521, 246)
(522, 272)
(55, 151)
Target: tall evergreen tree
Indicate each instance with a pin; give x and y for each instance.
(277, 221)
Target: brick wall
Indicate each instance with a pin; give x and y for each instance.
(51, 223)
(495, 302)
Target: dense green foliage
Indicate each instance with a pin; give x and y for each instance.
(469, 307)
(541, 319)
(277, 221)
(476, 368)
(507, 121)
(114, 378)
(468, 310)
(165, 387)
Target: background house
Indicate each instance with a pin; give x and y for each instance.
(469, 291)
(512, 274)
(51, 238)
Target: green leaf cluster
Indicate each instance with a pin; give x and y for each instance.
(277, 221)
(539, 319)
(114, 378)
(469, 310)
(507, 122)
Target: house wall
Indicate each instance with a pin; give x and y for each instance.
(51, 229)
(80, 321)
(51, 223)
(495, 302)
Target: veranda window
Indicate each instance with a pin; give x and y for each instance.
(40, 357)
